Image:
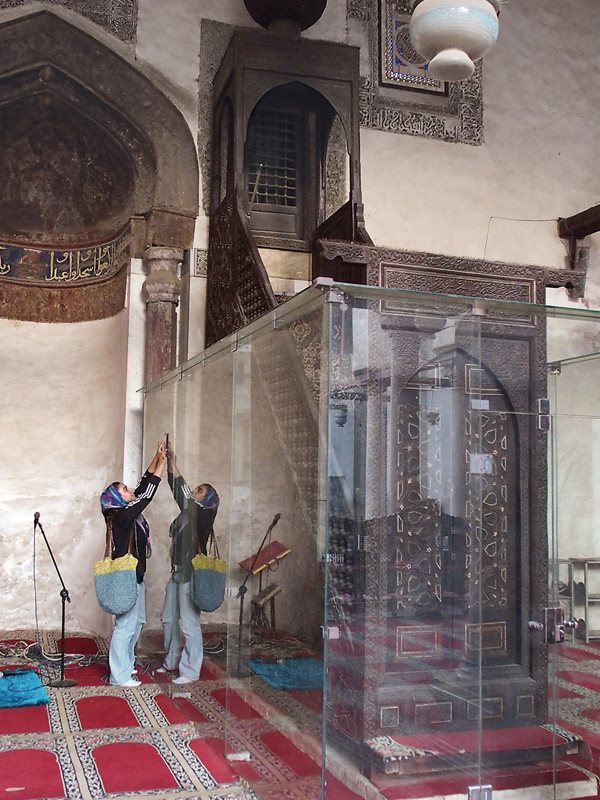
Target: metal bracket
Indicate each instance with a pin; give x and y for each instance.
(479, 309)
(543, 414)
(555, 625)
(480, 792)
(334, 294)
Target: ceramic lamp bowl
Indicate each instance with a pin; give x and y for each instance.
(452, 34)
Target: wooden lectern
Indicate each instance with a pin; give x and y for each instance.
(256, 564)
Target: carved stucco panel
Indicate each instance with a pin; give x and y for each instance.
(459, 118)
(200, 263)
(214, 40)
(119, 17)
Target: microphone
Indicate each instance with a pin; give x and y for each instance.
(36, 519)
(276, 519)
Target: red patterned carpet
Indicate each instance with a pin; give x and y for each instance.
(577, 692)
(95, 741)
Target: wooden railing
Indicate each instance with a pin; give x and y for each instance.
(238, 287)
(347, 225)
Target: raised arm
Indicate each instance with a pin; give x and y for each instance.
(172, 467)
(158, 460)
(181, 491)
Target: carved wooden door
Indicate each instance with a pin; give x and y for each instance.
(453, 539)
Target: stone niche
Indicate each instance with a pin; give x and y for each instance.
(65, 180)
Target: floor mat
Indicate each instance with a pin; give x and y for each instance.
(22, 687)
(290, 673)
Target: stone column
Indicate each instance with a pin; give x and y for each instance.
(161, 290)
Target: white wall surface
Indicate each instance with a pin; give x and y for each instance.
(63, 387)
(539, 160)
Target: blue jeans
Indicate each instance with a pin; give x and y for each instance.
(128, 626)
(180, 616)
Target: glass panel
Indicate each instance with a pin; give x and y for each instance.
(390, 532)
(275, 659)
(194, 406)
(411, 613)
(574, 470)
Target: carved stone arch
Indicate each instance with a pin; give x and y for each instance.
(43, 54)
(69, 177)
(90, 144)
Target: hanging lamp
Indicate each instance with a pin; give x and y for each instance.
(453, 34)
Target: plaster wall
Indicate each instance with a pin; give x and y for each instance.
(63, 426)
(500, 201)
(198, 312)
(134, 396)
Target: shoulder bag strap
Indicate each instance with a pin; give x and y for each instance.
(213, 541)
(211, 544)
(109, 542)
(108, 548)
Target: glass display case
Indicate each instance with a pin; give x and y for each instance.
(401, 476)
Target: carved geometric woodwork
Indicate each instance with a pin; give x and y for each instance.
(255, 65)
(238, 289)
(457, 564)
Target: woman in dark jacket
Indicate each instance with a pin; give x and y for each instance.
(122, 508)
(189, 533)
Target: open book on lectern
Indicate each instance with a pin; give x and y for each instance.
(271, 553)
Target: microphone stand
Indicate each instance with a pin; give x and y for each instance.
(243, 589)
(61, 682)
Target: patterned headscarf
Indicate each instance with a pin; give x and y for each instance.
(111, 498)
(211, 498)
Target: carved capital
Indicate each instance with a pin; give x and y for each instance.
(162, 283)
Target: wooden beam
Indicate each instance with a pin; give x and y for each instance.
(580, 225)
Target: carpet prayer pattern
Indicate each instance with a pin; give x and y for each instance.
(165, 742)
(94, 740)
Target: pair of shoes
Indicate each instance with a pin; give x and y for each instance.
(180, 680)
(162, 669)
(130, 682)
(134, 671)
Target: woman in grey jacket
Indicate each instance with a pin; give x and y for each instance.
(189, 533)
